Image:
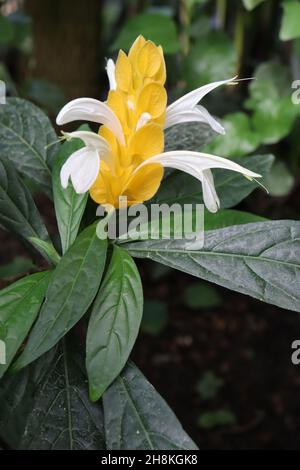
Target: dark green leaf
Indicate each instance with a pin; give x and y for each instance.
(155, 27)
(231, 187)
(25, 133)
(69, 206)
(136, 417)
(18, 212)
(260, 260)
(71, 291)
(226, 218)
(189, 136)
(47, 248)
(46, 405)
(19, 306)
(114, 323)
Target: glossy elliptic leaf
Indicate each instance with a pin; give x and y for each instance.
(69, 206)
(136, 416)
(260, 260)
(46, 405)
(251, 4)
(71, 291)
(188, 136)
(212, 58)
(18, 212)
(240, 139)
(290, 26)
(226, 218)
(270, 100)
(114, 323)
(25, 133)
(47, 248)
(155, 27)
(231, 187)
(19, 306)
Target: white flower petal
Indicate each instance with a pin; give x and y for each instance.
(83, 168)
(196, 161)
(210, 197)
(187, 107)
(89, 109)
(111, 73)
(199, 165)
(197, 114)
(90, 139)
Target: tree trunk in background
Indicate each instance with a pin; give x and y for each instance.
(67, 44)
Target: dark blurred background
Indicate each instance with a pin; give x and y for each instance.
(221, 360)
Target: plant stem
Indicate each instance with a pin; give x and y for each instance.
(221, 14)
(239, 36)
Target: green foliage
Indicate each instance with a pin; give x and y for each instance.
(214, 419)
(25, 134)
(114, 323)
(71, 291)
(240, 138)
(226, 218)
(47, 248)
(69, 206)
(290, 27)
(209, 385)
(19, 306)
(201, 296)
(46, 406)
(260, 259)
(18, 212)
(270, 100)
(6, 30)
(212, 58)
(279, 181)
(155, 317)
(251, 4)
(158, 28)
(132, 403)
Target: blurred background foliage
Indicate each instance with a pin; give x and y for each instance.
(52, 51)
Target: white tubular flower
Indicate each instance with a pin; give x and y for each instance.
(199, 165)
(89, 109)
(83, 165)
(111, 73)
(186, 109)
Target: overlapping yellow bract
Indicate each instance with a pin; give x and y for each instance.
(139, 101)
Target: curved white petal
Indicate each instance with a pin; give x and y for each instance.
(197, 114)
(90, 139)
(89, 109)
(199, 165)
(193, 162)
(187, 108)
(210, 197)
(111, 73)
(83, 168)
